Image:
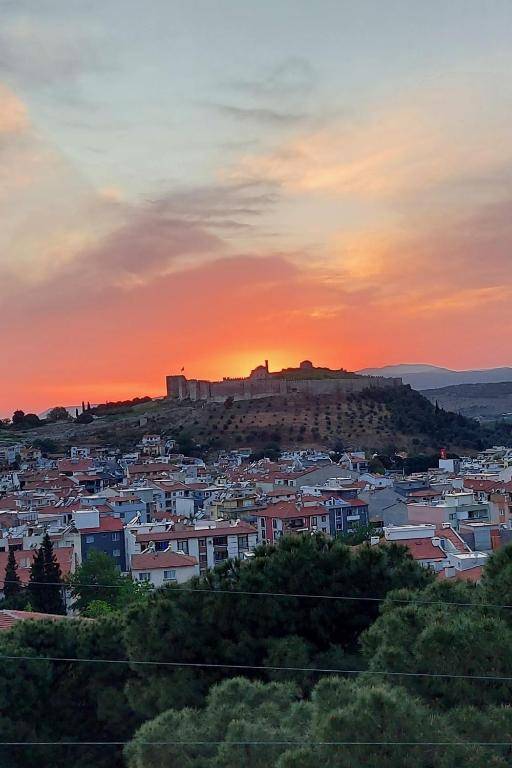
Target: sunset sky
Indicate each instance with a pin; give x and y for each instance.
(209, 183)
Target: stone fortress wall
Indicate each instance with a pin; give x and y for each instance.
(263, 383)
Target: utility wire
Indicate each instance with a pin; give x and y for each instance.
(279, 743)
(259, 667)
(298, 595)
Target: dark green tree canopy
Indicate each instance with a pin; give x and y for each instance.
(45, 588)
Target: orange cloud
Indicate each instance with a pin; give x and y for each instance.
(102, 297)
(13, 115)
(405, 147)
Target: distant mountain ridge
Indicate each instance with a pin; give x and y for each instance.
(421, 376)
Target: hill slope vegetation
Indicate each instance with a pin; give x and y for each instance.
(377, 419)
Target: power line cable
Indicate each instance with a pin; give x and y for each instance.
(301, 743)
(258, 667)
(297, 595)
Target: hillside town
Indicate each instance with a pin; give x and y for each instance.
(165, 518)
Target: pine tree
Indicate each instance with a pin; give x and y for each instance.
(45, 584)
(12, 583)
(36, 581)
(53, 579)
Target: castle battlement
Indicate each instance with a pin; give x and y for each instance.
(263, 383)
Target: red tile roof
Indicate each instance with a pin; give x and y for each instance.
(486, 486)
(428, 493)
(64, 557)
(469, 574)
(9, 618)
(286, 510)
(75, 465)
(170, 485)
(356, 502)
(151, 467)
(242, 529)
(459, 543)
(280, 491)
(423, 549)
(149, 561)
(108, 523)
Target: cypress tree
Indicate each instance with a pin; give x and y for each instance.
(36, 582)
(12, 583)
(45, 583)
(53, 578)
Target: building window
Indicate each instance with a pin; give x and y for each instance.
(183, 546)
(116, 553)
(262, 522)
(220, 541)
(170, 575)
(220, 555)
(144, 576)
(89, 539)
(115, 537)
(274, 522)
(243, 542)
(314, 521)
(324, 519)
(202, 543)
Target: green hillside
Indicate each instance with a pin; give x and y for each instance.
(397, 418)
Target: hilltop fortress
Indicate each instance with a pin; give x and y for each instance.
(306, 379)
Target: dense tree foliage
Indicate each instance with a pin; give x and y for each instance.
(239, 715)
(64, 701)
(59, 413)
(336, 670)
(12, 583)
(117, 406)
(411, 413)
(231, 628)
(45, 445)
(45, 588)
(22, 420)
(97, 586)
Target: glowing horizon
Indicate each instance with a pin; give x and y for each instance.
(329, 184)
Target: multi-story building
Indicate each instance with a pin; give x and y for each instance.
(440, 549)
(455, 508)
(283, 518)
(9, 454)
(345, 516)
(102, 533)
(160, 568)
(209, 545)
